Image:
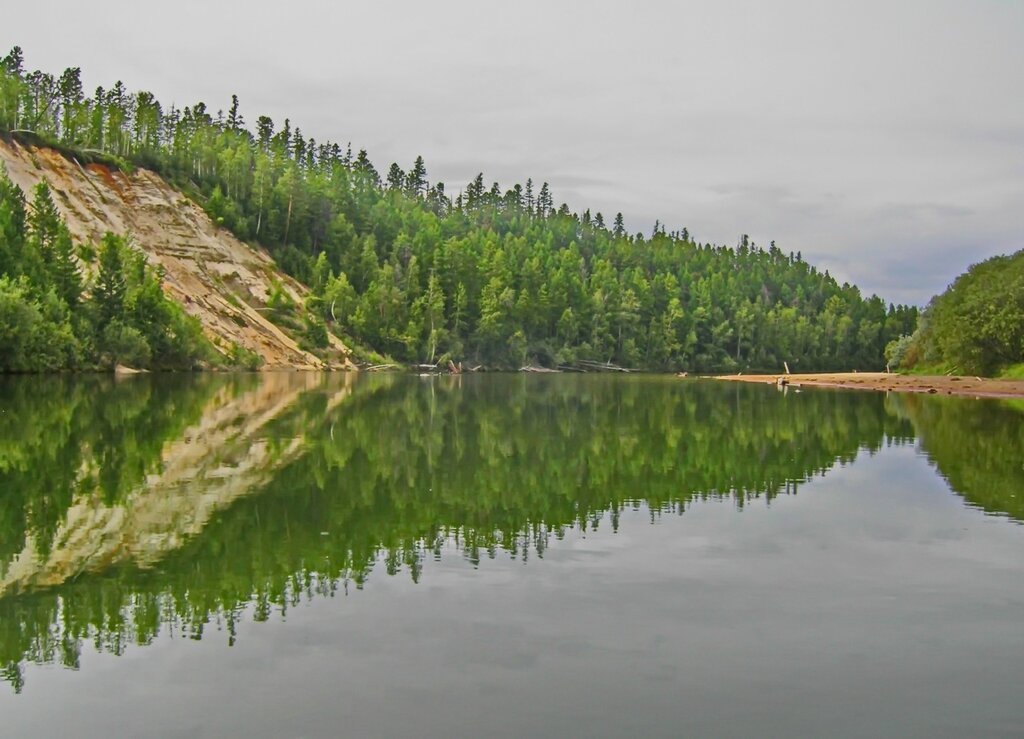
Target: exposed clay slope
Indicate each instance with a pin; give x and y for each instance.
(217, 278)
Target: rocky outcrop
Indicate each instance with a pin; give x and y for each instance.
(216, 278)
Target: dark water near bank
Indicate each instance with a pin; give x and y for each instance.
(389, 556)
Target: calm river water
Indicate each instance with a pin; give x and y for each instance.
(301, 555)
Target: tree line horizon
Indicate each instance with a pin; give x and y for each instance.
(494, 276)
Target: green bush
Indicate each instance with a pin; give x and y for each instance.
(122, 344)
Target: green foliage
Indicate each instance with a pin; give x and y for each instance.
(238, 357)
(111, 284)
(12, 227)
(279, 302)
(496, 277)
(896, 351)
(121, 344)
(315, 333)
(135, 322)
(46, 323)
(977, 326)
(980, 321)
(35, 333)
(1013, 372)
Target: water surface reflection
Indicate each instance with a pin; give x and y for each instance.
(166, 502)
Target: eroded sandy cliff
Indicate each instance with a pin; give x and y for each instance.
(217, 278)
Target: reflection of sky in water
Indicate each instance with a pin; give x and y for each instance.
(872, 602)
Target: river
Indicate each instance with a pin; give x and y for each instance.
(295, 554)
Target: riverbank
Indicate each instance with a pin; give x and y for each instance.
(934, 384)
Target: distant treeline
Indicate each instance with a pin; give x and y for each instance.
(495, 276)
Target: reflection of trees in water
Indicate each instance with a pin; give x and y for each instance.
(180, 475)
(976, 445)
(64, 437)
(407, 466)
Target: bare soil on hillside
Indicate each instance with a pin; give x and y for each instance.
(220, 280)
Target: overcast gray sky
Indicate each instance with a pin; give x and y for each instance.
(884, 140)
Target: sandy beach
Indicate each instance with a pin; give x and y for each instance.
(934, 384)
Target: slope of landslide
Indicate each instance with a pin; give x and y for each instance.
(216, 278)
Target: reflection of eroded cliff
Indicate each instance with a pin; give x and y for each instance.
(502, 463)
(406, 467)
(223, 456)
(977, 445)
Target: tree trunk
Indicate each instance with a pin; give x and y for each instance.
(288, 220)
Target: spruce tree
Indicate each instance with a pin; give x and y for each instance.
(44, 222)
(235, 120)
(67, 279)
(545, 201)
(12, 226)
(109, 291)
(416, 180)
(396, 177)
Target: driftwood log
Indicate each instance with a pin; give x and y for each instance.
(602, 366)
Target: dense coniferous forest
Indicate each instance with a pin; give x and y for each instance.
(496, 276)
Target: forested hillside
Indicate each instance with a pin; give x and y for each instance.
(493, 275)
(976, 326)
